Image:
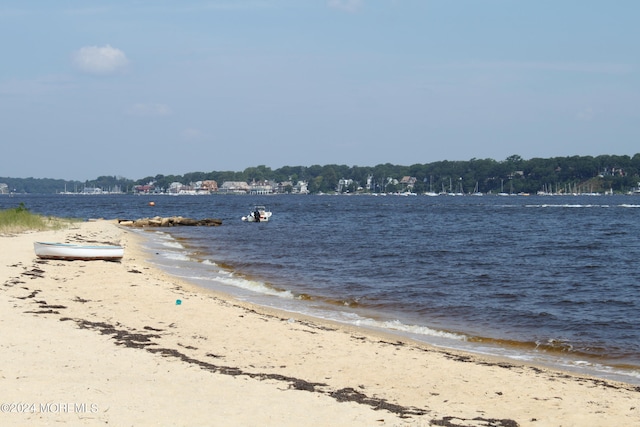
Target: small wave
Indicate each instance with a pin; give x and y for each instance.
(349, 302)
(555, 345)
(566, 205)
(396, 325)
(175, 256)
(227, 278)
(162, 235)
(172, 244)
(164, 239)
(254, 286)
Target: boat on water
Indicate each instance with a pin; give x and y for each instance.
(259, 214)
(72, 251)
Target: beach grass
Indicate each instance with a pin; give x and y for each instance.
(20, 219)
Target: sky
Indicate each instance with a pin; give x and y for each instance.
(140, 88)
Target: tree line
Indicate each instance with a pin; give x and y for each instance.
(514, 174)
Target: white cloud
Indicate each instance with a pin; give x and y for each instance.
(149, 109)
(100, 60)
(346, 5)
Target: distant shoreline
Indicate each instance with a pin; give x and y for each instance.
(616, 174)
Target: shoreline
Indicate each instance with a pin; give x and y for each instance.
(111, 335)
(171, 259)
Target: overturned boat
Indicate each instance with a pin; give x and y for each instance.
(72, 251)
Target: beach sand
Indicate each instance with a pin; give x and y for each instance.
(98, 342)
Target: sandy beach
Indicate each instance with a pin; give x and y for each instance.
(106, 343)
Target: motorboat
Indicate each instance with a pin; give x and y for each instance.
(73, 251)
(259, 214)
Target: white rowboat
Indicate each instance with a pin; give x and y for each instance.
(76, 251)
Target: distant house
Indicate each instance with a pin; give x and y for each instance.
(4, 188)
(287, 186)
(234, 187)
(91, 190)
(209, 185)
(370, 183)
(261, 187)
(408, 182)
(144, 189)
(343, 185)
(301, 188)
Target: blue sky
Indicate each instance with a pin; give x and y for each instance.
(139, 88)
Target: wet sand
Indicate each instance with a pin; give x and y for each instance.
(99, 342)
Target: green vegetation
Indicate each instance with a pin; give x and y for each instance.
(612, 173)
(18, 220)
(514, 174)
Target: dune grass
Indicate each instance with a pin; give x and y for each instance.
(19, 220)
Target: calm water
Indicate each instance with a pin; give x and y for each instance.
(550, 279)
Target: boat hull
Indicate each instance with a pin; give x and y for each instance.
(263, 213)
(251, 218)
(67, 251)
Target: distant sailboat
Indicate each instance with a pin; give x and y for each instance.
(502, 193)
(431, 192)
(476, 192)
